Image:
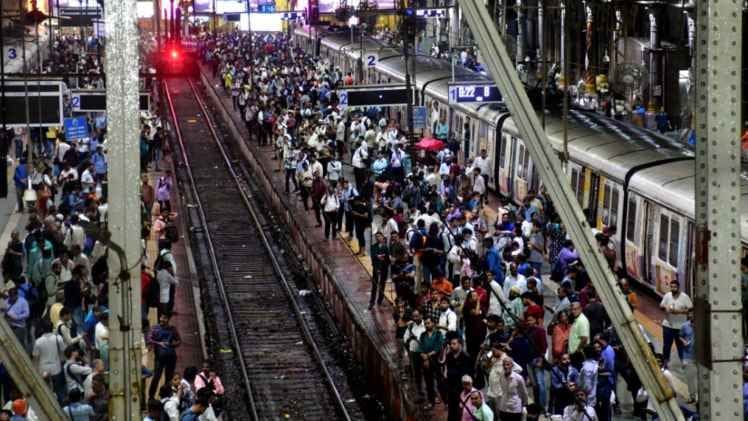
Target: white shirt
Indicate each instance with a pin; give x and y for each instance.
(483, 164)
(513, 392)
(316, 168)
(74, 235)
(479, 185)
(359, 156)
(71, 173)
(87, 180)
(101, 336)
(413, 331)
(448, 319)
(171, 407)
(682, 302)
(494, 303)
(330, 202)
(571, 413)
(80, 371)
(334, 170)
(519, 281)
(62, 149)
(48, 350)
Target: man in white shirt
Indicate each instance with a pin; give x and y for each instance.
(447, 318)
(359, 162)
(513, 392)
(676, 305)
(74, 234)
(482, 162)
(48, 355)
(101, 335)
(75, 370)
(334, 171)
(514, 278)
(580, 410)
(87, 179)
(479, 183)
(496, 297)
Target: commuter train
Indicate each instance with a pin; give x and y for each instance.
(622, 175)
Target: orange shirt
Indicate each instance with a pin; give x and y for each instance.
(442, 286)
(559, 339)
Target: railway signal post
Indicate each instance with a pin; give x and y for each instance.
(549, 166)
(718, 318)
(124, 210)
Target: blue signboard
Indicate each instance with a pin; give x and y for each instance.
(76, 128)
(420, 117)
(474, 93)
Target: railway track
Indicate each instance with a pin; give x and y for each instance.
(280, 365)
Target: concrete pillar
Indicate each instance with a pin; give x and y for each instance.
(123, 124)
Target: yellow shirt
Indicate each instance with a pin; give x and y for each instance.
(54, 313)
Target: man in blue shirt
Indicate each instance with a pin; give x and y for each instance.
(493, 261)
(16, 310)
(689, 357)
(562, 375)
(20, 178)
(77, 410)
(606, 376)
(100, 163)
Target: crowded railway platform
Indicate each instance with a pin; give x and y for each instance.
(293, 243)
(379, 219)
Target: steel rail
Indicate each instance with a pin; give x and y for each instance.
(213, 258)
(272, 255)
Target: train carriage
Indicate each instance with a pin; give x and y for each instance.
(639, 181)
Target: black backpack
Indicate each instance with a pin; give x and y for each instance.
(171, 232)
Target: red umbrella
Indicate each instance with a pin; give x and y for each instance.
(430, 144)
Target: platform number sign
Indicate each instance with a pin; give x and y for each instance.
(11, 53)
(343, 99)
(75, 102)
(372, 59)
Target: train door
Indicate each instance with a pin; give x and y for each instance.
(633, 242)
(689, 256)
(497, 160)
(670, 236)
(521, 171)
(576, 175)
(608, 212)
(592, 199)
(492, 149)
(503, 159)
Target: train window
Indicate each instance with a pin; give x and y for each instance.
(502, 151)
(613, 207)
(520, 161)
(631, 221)
(574, 179)
(674, 237)
(662, 248)
(606, 204)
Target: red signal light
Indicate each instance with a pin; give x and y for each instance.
(174, 54)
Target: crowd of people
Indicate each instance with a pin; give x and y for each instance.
(54, 293)
(469, 291)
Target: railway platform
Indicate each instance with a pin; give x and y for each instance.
(347, 277)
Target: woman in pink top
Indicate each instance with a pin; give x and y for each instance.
(560, 335)
(208, 378)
